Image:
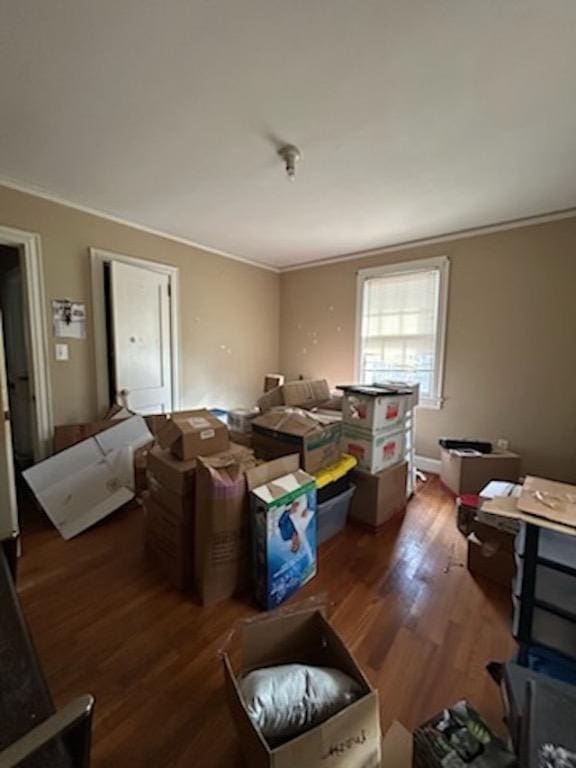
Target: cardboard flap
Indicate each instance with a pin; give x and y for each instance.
(236, 454)
(167, 434)
(549, 499)
(272, 470)
(288, 422)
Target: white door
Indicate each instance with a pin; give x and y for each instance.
(8, 507)
(140, 311)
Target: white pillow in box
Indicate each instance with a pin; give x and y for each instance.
(287, 700)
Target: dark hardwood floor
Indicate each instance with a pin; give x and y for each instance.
(105, 622)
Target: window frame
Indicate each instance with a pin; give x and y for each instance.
(440, 263)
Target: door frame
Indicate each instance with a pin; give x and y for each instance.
(99, 257)
(30, 246)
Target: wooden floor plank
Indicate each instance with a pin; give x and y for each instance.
(106, 622)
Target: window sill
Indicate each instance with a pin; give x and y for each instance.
(431, 404)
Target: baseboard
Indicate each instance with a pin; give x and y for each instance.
(427, 464)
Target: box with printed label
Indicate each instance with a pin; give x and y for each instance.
(283, 519)
(193, 433)
(374, 451)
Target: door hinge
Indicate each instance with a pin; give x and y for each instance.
(169, 290)
(6, 415)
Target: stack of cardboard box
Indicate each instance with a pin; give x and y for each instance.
(377, 429)
(170, 502)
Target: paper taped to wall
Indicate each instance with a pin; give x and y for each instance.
(69, 319)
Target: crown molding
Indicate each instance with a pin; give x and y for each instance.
(487, 229)
(462, 234)
(28, 189)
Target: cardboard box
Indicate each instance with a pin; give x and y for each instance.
(375, 451)
(240, 419)
(83, 484)
(469, 473)
(373, 413)
(301, 394)
(178, 476)
(283, 519)
(489, 534)
(241, 438)
(182, 506)
(380, 497)
(491, 561)
(272, 381)
(222, 553)
(397, 747)
(67, 435)
(349, 739)
(282, 432)
(170, 540)
(190, 434)
(457, 736)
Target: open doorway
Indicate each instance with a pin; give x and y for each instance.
(25, 393)
(16, 355)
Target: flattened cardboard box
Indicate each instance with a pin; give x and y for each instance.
(349, 739)
(379, 497)
(178, 476)
(82, 484)
(280, 433)
(189, 434)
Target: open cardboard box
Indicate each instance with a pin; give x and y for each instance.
(302, 634)
(283, 432)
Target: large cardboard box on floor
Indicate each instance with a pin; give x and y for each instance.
(378, 498)
(349, 739)
(170, 539)
(491, 560)
(375, 451)
(222, 552)
(178, 476)
(463, 472)
(282, 432)
(189, 434)
(283, 522)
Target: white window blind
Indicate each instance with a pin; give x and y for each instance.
(402, 325)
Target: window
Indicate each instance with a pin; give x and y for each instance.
(402, 325)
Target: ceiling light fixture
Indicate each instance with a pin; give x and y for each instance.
(291, 155)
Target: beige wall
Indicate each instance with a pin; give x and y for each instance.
(223, 302)
(510, 348)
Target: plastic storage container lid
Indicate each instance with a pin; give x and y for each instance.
(335, 471)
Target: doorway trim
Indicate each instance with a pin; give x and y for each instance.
(99, 257)
(30, 247)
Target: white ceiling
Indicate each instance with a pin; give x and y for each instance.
(415, 117)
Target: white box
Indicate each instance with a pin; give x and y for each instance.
(375, 451)
(371, 409)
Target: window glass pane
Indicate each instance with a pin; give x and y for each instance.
(399, 327)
